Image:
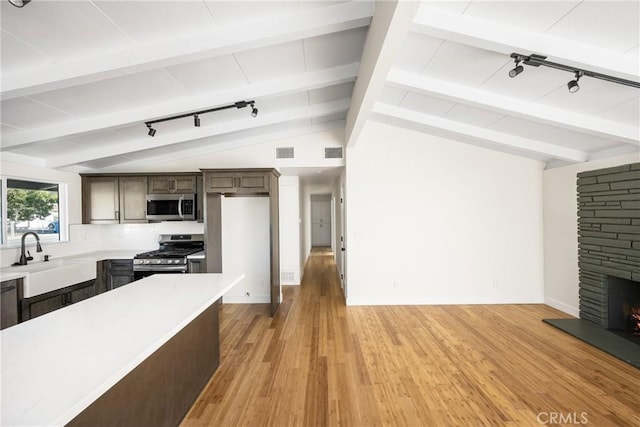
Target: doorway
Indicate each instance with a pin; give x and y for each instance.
(321, 220)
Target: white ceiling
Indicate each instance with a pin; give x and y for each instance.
(80, 78)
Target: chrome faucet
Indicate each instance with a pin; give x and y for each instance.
(23, 256)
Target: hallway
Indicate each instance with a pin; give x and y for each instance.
(276, 371)
(318, 362)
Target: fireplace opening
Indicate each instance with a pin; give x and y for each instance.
(624, 307)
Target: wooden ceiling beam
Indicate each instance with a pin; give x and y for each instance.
(287, 85)
(486, 137)
(145, 142)
(104, 65)
(514, 107)
(508, 39)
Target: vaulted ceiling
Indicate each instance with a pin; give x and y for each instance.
(80, 78)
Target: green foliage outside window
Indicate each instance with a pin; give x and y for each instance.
(27, 205)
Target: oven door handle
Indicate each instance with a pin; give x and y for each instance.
(180, 200)
(173, 268)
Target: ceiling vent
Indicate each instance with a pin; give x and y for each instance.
(284, 152)
(333, 152)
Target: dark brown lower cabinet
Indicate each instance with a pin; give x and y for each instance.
(161, 390)
(54, 300)
(113, 273)
(119, 272)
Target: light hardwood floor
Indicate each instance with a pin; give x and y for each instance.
(319, 362)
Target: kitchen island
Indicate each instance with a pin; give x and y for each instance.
(101, 357)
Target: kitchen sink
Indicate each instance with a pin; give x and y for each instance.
(55, 274)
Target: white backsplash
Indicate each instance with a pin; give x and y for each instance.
(85, 238)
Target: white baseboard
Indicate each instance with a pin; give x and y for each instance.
(240, 299)
(565, 308)
(433, 301)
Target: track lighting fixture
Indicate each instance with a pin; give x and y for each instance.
(517, 69)
(19, 3)
(196, 114)
(573, 86)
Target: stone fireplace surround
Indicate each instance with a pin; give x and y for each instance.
(608, 236)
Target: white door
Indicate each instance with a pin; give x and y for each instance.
(321, 222)
(341, 243)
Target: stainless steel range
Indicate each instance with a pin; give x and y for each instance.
(171, 257)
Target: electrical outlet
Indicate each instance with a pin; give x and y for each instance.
(395, 283)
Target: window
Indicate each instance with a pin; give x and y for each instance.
(30, 206)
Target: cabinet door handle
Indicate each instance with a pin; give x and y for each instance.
(118, 215)
(7, 289)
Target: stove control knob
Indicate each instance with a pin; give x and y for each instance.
(146, 261)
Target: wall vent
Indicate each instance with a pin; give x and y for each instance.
(284, 152)
(287, 276)
(333, 152)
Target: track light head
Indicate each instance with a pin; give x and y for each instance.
(516, 70)
(573, 85)
(254, 110)
(152, 131)
(19, 3)
(196, 120)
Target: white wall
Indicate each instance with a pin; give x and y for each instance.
(561, 232)
(435, 221)
(309, 152)
(289, 230)
(245, 247)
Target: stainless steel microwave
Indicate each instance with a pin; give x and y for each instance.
(171, 207)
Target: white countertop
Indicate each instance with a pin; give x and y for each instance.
(55, 365)
(17, 272)
(41, 277)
